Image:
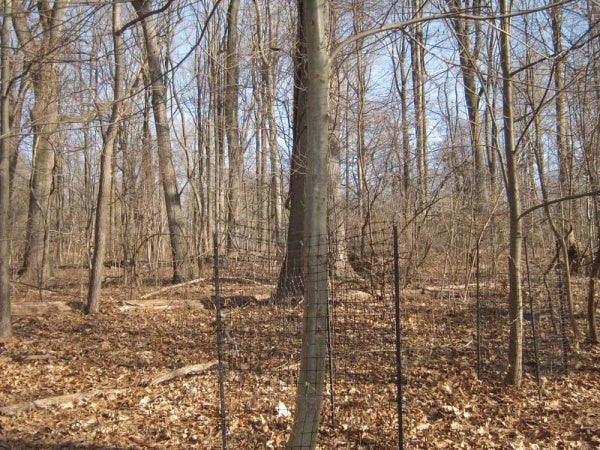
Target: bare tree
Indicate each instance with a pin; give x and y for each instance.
(182, 266)
(110, 139)
(290, 281)
(39, 47)
(417, 50)
(230, 109)
(5, 304)
(515, 309)
(311, 380)
(267, 54)
(468, 50)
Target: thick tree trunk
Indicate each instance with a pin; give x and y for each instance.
(45, 125)
(182, 264)
(291, 281)
(515, 308)
(45, 116)
(309, 396)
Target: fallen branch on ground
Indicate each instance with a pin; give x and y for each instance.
(183, 372)
(174, 286)
(58, 401)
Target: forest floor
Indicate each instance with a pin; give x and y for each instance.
(113, 361)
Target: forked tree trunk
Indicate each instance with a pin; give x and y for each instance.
(182, 264)
(311, 380)
(515, 307)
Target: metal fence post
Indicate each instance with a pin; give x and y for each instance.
(219, 331)
(398, 337)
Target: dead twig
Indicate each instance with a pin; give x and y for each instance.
(183, 372)
(173, 286)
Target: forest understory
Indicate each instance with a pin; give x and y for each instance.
(113, 360)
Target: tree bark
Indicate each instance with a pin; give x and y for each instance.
(108, 147)
(182, 264)
(592, 303)
(468, 53)
(230, 106)
(5, 149)
(418, 77)
(290, 281)
(45, 124)
(515, 307)
(309, 396)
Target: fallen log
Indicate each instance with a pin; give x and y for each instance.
(40, 308)
(183, 372)
(58, 401)
(173, 286)
(160, 305)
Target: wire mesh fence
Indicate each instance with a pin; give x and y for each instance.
(389, 323)
(261, 336)
(397, 321)
(545, 342)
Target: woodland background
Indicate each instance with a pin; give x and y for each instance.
(138, 136)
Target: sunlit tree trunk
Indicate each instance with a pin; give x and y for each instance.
(515, 307)
(562, 139)
(108, 147)
(468, 53)
(362, 187)
(418, 78)
(5, 303)
(230, 105)
(45, 123)
(182, 265)
(592, 160)
(401, 84)
(267, 61)
(564, 162)
(311, 380)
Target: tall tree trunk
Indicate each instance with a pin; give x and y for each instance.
(45, 124)
(491, 128)
(230, 106)
(418, 76)
(5, 305)
(592, 166)
(362, 191)
(564, 157)
(562, 140)
(290, 281)
(468, 53)
(515, 307)
(592, 303)
(311, 380)
(275, 166)
(108, 147)
(182, 264)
